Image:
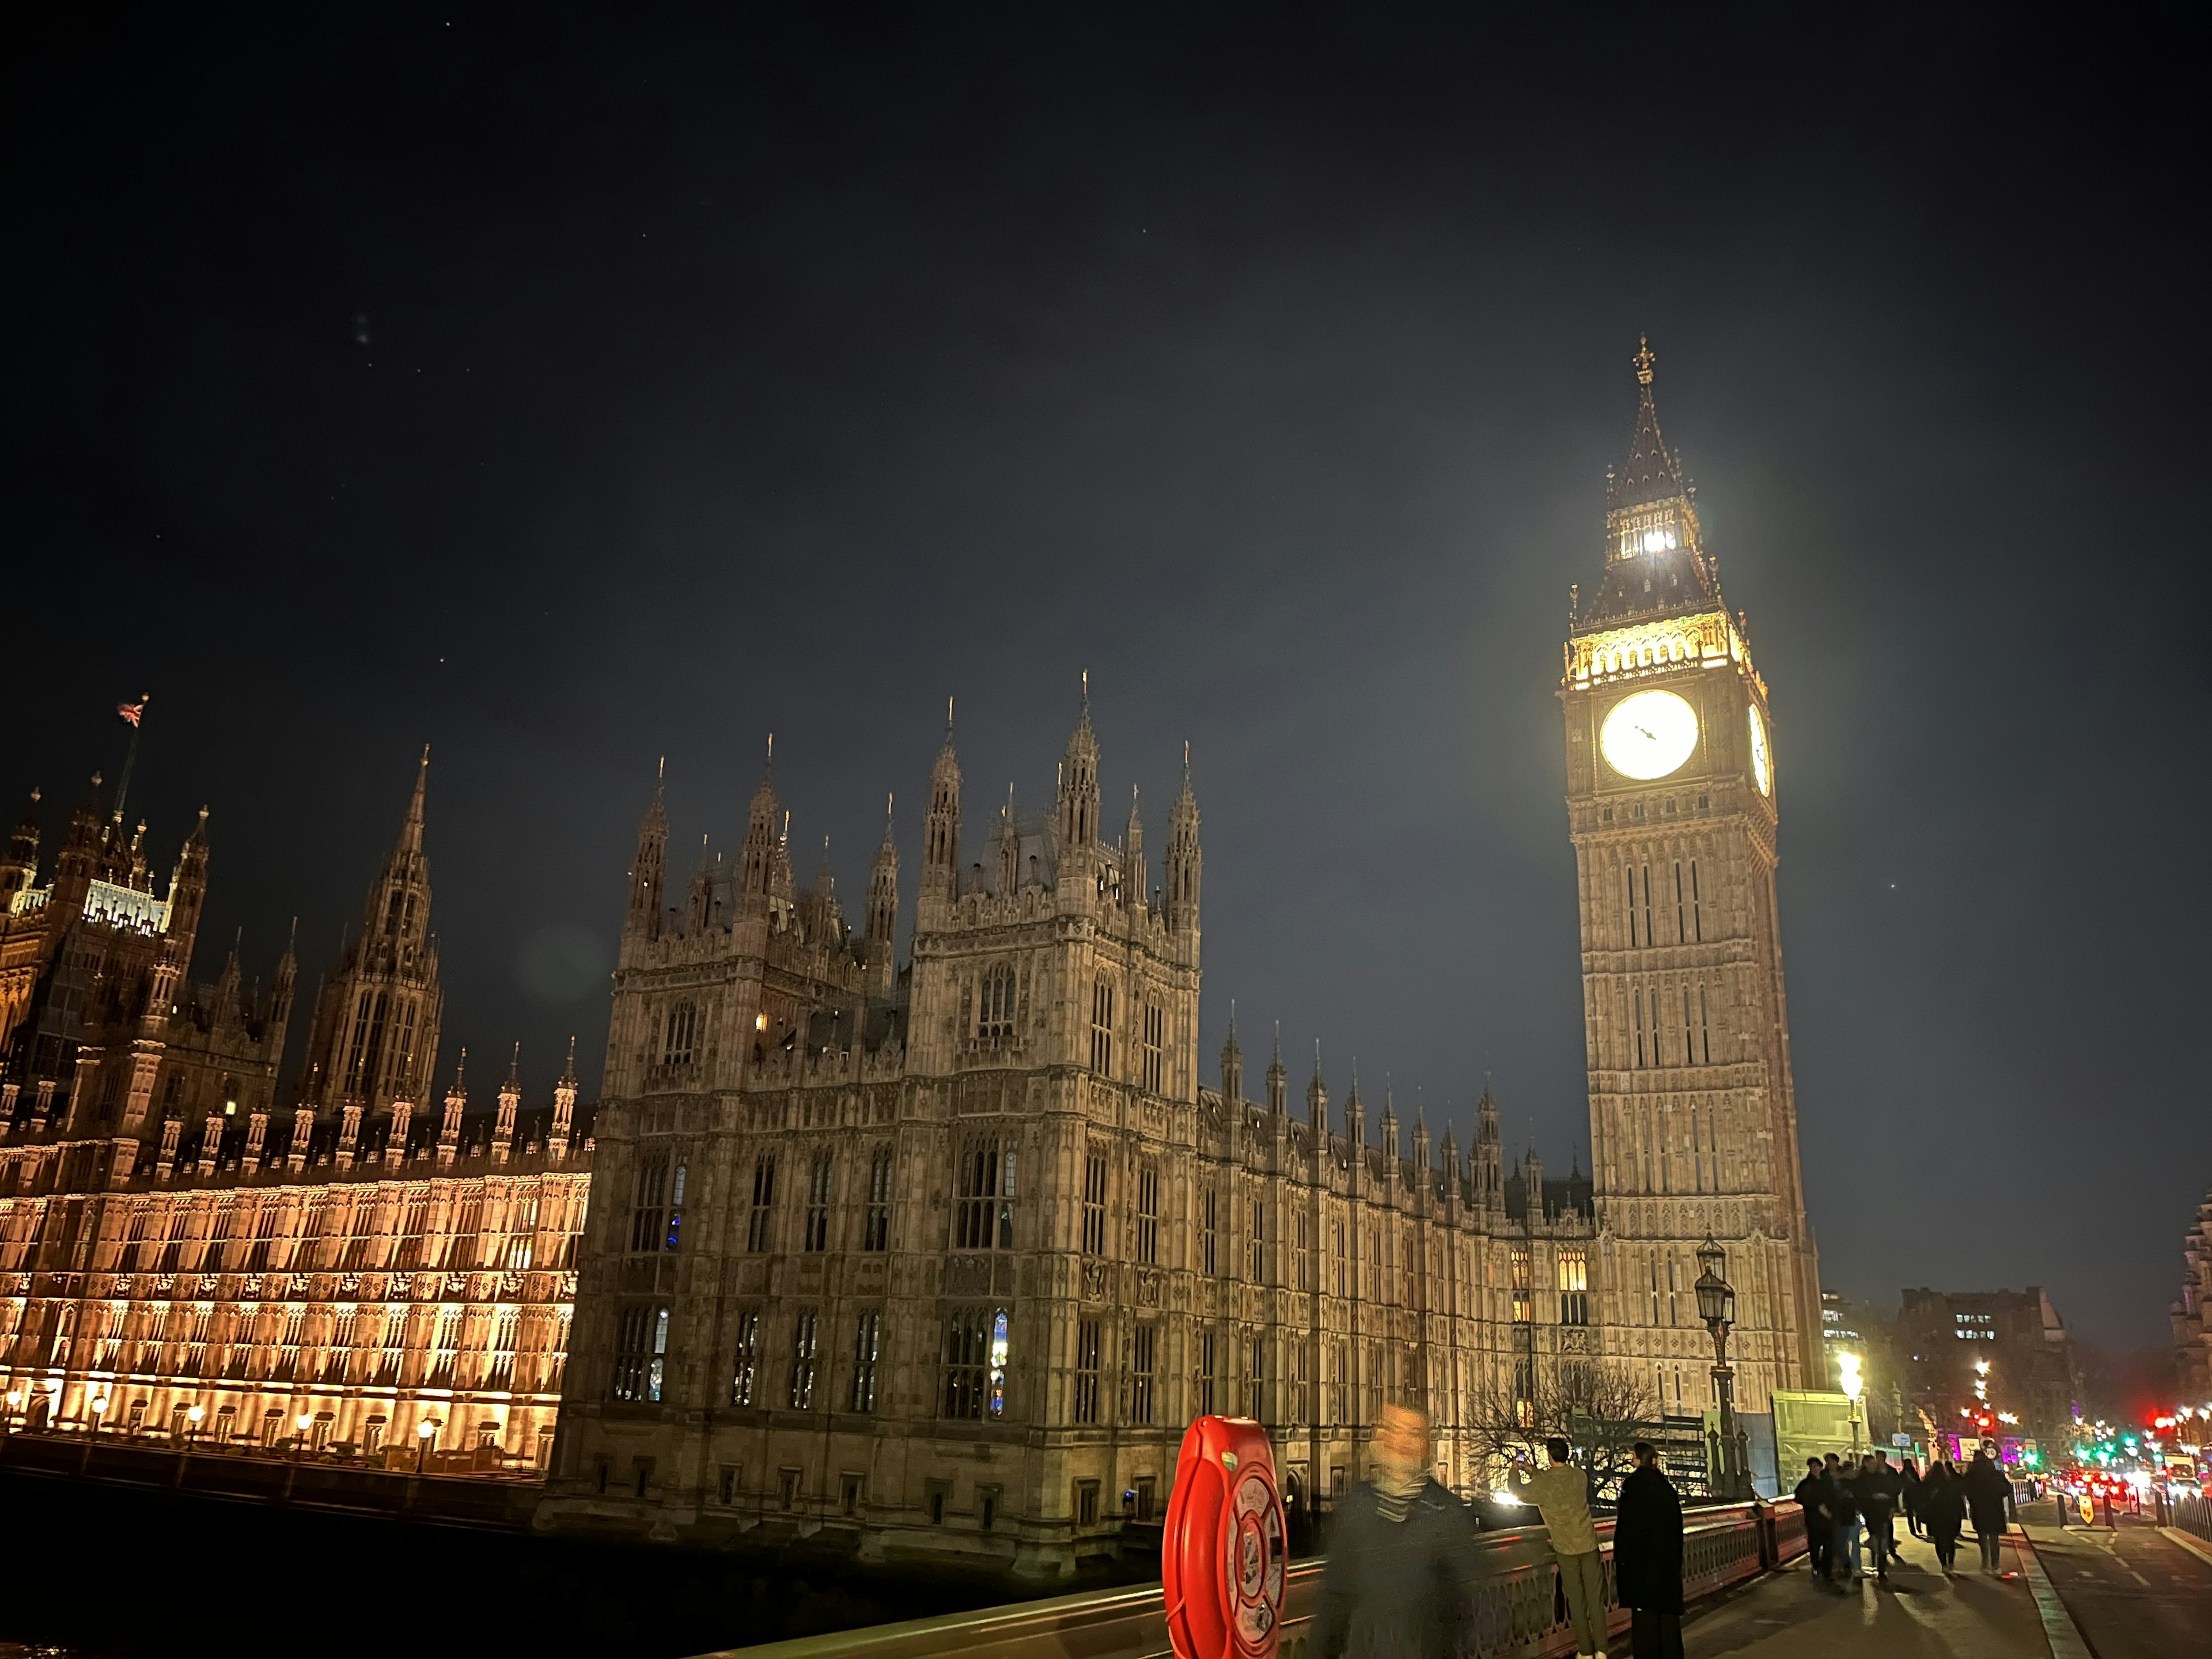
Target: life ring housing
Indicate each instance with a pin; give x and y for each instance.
(1226, 1544)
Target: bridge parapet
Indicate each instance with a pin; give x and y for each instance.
(1512, 1618)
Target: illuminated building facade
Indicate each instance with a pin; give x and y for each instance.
(179, 1257)
(1672, 804)
(2003, 1353)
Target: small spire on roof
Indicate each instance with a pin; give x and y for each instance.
(1645, 358)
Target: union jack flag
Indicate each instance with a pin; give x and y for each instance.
(130, 713)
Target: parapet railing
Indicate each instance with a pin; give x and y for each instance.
(1513, 1614)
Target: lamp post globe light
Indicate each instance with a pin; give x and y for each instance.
(1847, 1365)
(303, 1422)
(99, 1405)
(1717, 1307)
(196, 1416)
(425, 1432)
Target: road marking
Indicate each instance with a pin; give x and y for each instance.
(2195, 1546)
(2058, 1627)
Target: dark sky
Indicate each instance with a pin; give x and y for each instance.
(1268, 365)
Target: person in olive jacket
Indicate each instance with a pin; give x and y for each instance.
(1647, 1558)
(1401, 1572)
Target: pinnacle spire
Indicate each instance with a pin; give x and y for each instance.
(568, 1072)
(514, 1069)
(410, 827)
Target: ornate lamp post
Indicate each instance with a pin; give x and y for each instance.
(425, 1432)
(1717, 1307)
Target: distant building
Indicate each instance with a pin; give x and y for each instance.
(170, 1240)
(2192, 1313)
(1943, 1337)
(1862, 1328)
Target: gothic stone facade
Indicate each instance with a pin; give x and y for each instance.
(161, 1253)
(1672, 803)
(941, 1262)
(2192, 1311)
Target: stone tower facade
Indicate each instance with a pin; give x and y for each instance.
(940, 1261)
(1672, 802)
(374, 1039)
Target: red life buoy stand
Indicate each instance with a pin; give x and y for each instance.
(1226, 1546)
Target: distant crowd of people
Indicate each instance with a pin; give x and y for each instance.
(1847, 1502)
(1401, 1571)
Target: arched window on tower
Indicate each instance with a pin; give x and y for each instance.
(1101, 1027)
(996, 1020)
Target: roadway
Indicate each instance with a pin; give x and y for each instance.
(2134, 1593)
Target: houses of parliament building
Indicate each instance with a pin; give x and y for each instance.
(936, 1257)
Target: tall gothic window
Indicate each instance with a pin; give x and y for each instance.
(641, 1352)
(1155, 1032)
(1143, 1346)
(1207, 1201)
(876, 1234)
(806, 1339)
(1523, 1292)
(1650, 936)
(1697, 917)
(995, 1018)
(744, 1374)
(648, 1219)
(1148, 1213)
(867, 1352)
(1086, 1370)
(1631, 906)
(414, 1228)
(1704, 1030)
(817, 1204)
(983, 1214)
(976, 1352)
(1255, 1246)
(1574, 1288)
(1255, 1378)
(682, 1029)
(1094, 1204)
(760, 1230)
(1101, 1027)
(1208, 1362)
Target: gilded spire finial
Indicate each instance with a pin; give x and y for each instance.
(1643, 359)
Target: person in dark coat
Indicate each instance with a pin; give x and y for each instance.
(1811, 1495)
(1401, 1572)
(1943, 1512)
(1647, 1558)
(1988, 1493)
(1910, 1495)
(1844, 1562)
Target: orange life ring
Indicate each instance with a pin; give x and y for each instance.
(1226, 1545)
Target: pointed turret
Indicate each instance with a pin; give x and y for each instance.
(564, 1107)
(456, 1100)
(188, 887)
(940, 854)
(1392, 1149)
(1078, 783)
(757, 863)
(1183, 858)
(1654, 558)
(1420, 1136)
(1278, 1079)
(1489, 1153)
(883, 888)
(21, 868)
(1232, 1063)
(642, 921)
(510, 1103)
(280, 994)
(1317, 1099)
(700, 908)
(1135, 878)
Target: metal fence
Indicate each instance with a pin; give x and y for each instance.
(1512, 1616)
(2194, 1516)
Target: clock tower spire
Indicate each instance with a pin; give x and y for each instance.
(1671, 804)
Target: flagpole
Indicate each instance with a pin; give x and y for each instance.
(131, 753)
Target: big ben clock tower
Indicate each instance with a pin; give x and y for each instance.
(1674, 774)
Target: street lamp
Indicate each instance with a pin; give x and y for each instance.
(15, 1405)
(1717, 1307)
(424, 1432)
(98, 1410)
(1854, 1390)
(303, 1422)
(196, 1416)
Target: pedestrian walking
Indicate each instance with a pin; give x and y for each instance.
(1844, 1553)
(1811, 1495)
(1647, 1558)
(1870, 1495)
(1943, 1510)
(1988, 1492)
(1891, 1485)
(1401, 1556)
(1910, 1497)
(1561, 1492)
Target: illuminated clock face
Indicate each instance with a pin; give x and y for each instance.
(1649, 735)
(1762, 773)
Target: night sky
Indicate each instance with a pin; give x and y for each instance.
(565, 395)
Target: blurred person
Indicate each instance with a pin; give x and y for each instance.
(1844, 1562)
(1910, 1495)
(1943, 1510)
(1401, 1556)
(1988, 1493)
(1813, 1497)
(1561, 1492)
(1647, 1558)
